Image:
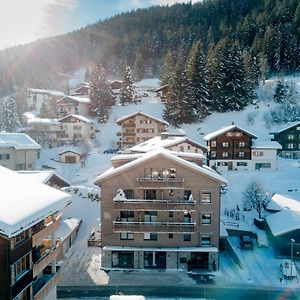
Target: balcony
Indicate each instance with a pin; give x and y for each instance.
(43, 285)
(128, 125)
(40, 233)
(156, 205)
(160, 183)
(48, 255)
(128, 133)
(161, 227)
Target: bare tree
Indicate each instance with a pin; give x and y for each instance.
(256, 197)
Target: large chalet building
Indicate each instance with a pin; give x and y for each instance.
(160, 211)
(137, 128)
(289, 138)
(73, 105)
(30, 213)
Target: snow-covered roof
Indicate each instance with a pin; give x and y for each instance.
(18, 141)
(266, 145)
(67, 151)
(283, 222)
(143, 114)
(157, 142)
(42, 176)
(281, 128)
(280, 202)
(161, 88)
(66, 227)
(164, 153)
(25, 202)
(216, 133)
(78, 117)
(48, 92)
(43, 121)
(75, 99)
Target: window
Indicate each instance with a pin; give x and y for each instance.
(20, 267)
(4, 156)
(150, 216)
(241, 164)
(206, 219)
(290, 136)
(126, 236)
(149, 195)
(127, 216)
(241, 154)
(262, 166)
(241, 144)
(213, 154)
(187, 194)
(290, 146)
(222, 163)
(171, 214)
(205, 240)
(189, 147)
(230, 134)
(258, 153)
(181, 149)
(225, 154)
(213, 143)
(150, 236)
(21, 237)
(20, 167)
(187, 237)
(206, 198)
(225, 144)
(170, 235)
(129, 194)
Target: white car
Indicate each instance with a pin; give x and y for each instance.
(288, 271)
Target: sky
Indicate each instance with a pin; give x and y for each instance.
(23, 21)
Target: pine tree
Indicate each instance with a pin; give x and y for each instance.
(127, 91)
(101, 96)
(44, 111)
(10, 118)
(138, 69)
(198, 76)
(281, 91)
(167, 69)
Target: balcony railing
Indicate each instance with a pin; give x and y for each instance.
(128, 125)
(160, 183)
(38, 237)
(162, 227)
(43, 285)
(156, 205)
(128, 133)
(46, 259)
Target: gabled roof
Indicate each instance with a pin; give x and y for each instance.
(74, 99)
(283, 222)
(18, 141)
(266, 145)
(43, 176)
(223, 130)
(157, 142)
(66, 151)
(284, 127)
(280, 202)
(143, 114)
(25, 202)
(161, 88)
(78, 117)
(161, 153)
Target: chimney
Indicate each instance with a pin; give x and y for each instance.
(232, 123)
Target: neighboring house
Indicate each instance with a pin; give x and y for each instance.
(171, 142)
(116, 86)
(45, 131)
(288, 137)
(82, 90)
(137, 128)
(229, 148)
(264, 155)
(162, 92)
(71, 105)
(70, 157)
(159, 211)
(47, 177)
(18, 151)
(76, 129)
(35, 97)
(280, 202)
(30, 213)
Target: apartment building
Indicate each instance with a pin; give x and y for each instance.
(30, 213)
(18, 151)
(137, 128)
(160, 211)
(35, 98)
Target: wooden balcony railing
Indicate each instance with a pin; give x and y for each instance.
(128, 125)
(160, 183)
(38, 237)
(162, 227)
(156, 205)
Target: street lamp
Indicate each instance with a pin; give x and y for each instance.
(292, 243)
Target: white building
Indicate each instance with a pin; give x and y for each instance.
(76, 129)
(18, 151)
(71, 105)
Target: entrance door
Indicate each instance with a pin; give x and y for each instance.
(122, 259)
(199, 260)
(230, 166)
(153, 259)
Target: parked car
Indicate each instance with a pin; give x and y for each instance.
(246, 242)
(110, 151)
(288, 270)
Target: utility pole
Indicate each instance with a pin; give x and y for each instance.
(292, 243)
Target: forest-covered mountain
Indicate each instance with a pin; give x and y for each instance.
(142, 39)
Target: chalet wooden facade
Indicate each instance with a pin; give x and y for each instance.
(289, 138)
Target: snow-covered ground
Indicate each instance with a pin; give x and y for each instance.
(260, 265)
